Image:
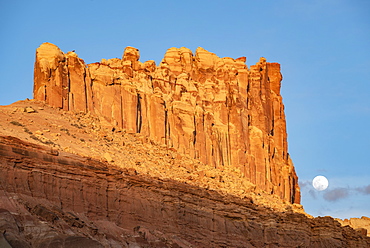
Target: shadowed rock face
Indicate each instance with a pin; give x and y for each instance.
(213, 109)
(63, 200)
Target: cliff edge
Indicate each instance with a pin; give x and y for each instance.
(215, 110)
(57, 199)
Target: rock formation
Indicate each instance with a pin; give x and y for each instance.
(360, 224)
(216, 110)
(58, 199)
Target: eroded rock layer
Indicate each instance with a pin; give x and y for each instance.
(213, 109)
(57, 199)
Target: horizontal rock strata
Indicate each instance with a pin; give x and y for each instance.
(360, 224)
(53, 199)
(213, 109)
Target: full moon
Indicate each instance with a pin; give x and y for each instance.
(320, 183)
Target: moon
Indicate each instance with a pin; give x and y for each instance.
(320, 183)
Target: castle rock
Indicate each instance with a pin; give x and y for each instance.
(216, 110)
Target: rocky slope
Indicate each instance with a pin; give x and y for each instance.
(57, 199)
(90, 136)
(212, 109)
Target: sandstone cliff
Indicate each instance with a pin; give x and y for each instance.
(58, 199)
(215, 110)
(360, 224)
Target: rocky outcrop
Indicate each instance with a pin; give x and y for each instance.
(360, 224)
(216, 110)
(51, 199)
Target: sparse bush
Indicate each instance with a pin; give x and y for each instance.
(47, 142)
(65, 130)
(16, 123)
(27, 131)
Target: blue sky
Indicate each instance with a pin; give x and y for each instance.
(323, 47)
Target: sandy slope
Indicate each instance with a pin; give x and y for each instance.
(87, 135)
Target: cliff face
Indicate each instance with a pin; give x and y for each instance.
(212, 109)
(360, 224)
(57, 199)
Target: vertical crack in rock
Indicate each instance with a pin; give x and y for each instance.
(214, 109)
(139, 117)
(85, 92)
(194, 132)
(167, 130)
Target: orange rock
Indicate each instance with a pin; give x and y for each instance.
(210, 108)
(361, 224)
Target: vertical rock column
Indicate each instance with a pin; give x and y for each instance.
(51, 76)
(80, 91)
(62, 80)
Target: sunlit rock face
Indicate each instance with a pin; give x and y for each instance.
(216, 110)
(361, 225)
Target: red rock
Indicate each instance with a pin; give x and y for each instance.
(51, 76)
(67, 200)
(210, 108)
